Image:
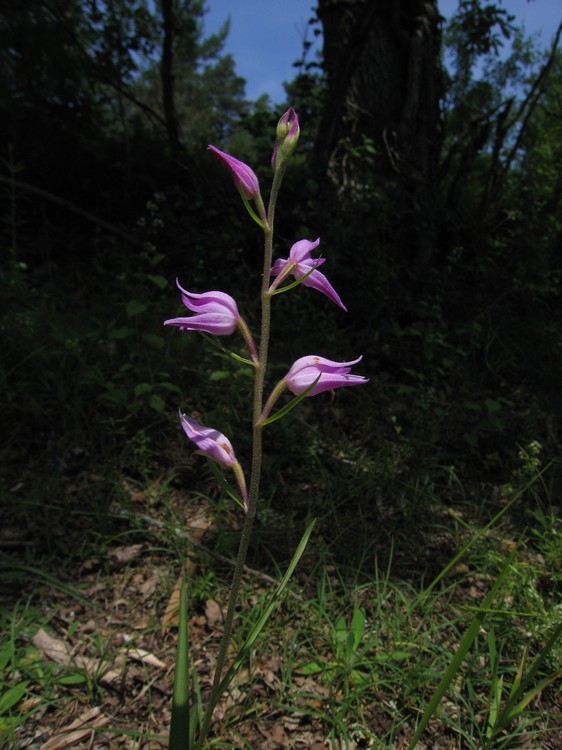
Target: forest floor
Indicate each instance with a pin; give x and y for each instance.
(88, 640)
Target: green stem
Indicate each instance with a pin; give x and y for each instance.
(257, 433)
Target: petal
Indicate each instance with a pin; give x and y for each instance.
(211, 442)
(309, 263)
(328, 381)
(321, 364)
(301, 250)
(317, 280)
(287, 136)
(218, 324)
(208, 301)
(244, 176)
(278, 266)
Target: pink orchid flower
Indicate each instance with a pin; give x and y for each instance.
(299, 264)
(217, 446)
(333, 375)
(244, 177)
(210, 442)
(215, 312)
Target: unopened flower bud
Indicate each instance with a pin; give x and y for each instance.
(243, 175)
(287, 137)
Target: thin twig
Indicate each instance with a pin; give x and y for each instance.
(57, 200)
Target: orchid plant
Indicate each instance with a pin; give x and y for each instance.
(216, 313)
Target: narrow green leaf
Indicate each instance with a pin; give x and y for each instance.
(516, 711)
(179, 727)
(453, 562)
(462, 650)
(13, 571)
(524, 694)
(264, 617)
(312, 667)
(495, 690)
(290, 406)
(209, 339)
(12, 696)
(251, 211)
(298, 281)
(72, 678)
(518, 675)
(358, 626)
(225, 485)
(340, 629)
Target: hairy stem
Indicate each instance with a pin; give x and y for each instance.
(257, 435)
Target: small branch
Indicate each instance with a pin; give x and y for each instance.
(57, 200)
(529, 104)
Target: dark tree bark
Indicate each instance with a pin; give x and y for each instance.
(382, 59)
(384, 87)
(167, 77)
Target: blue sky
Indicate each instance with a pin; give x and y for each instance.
(266, 35)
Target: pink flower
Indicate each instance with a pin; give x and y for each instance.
(287, 136)
(215, 312)
(217, 446)
(299, 263)
(244, 177)
(210, 442)
(333, 375)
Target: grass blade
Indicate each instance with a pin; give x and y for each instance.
(179, 727)
(264, 617)
(520, 697)
(463, 648)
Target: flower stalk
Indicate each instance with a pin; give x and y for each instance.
(257, 454)
(216, 313)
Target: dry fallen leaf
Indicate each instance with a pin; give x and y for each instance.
(213, 613)
(123, 555)
(78, 730)
(139, 654)
(61, 653)
(148, 587)
(171, 615)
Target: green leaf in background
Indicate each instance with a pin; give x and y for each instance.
(158, 281)
(12, 696)
(135, 307)
(157, 403)
(154, 339)
(142, 388)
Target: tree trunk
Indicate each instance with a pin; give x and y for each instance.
(167, 77)
(384, 75)
(381, 130)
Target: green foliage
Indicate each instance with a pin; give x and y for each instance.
(463, 353)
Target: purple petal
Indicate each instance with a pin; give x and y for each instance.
(208, 301)
(301, 250)
(244, 177)
(287, 135)
(327, 382)
(278, 266)
(321, 364)
(215, 323)
(211, 442)
(317, 280)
